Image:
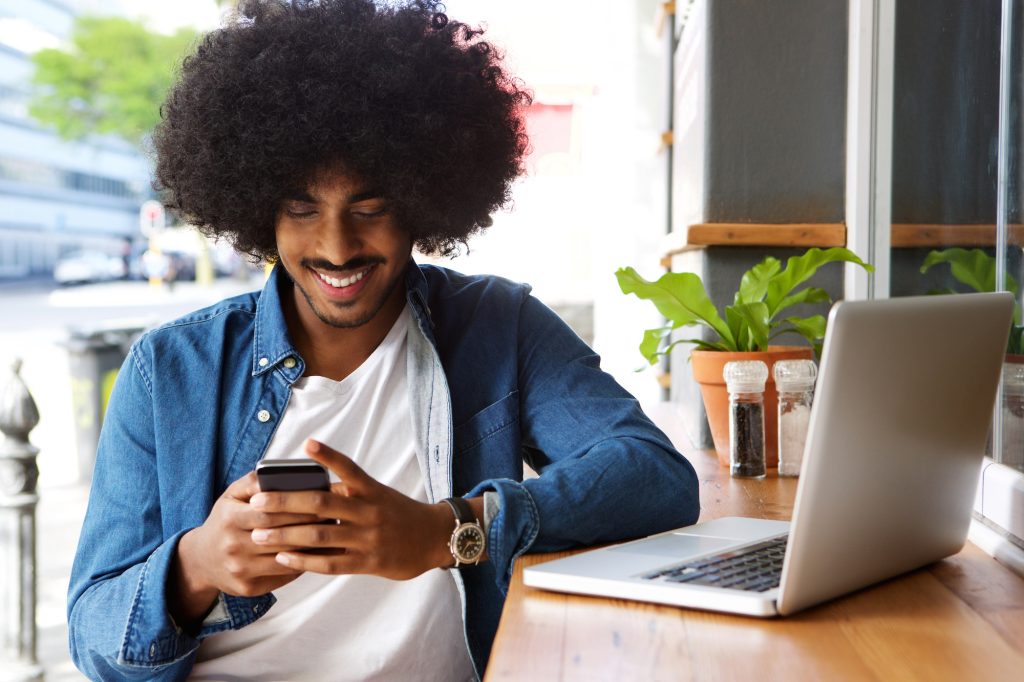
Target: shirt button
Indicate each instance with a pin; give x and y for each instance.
(264, 362)
(263, 416)
(289, 362)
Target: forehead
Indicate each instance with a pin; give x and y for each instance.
(335, 182)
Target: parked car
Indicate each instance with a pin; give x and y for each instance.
(167, 265)
(88, 266)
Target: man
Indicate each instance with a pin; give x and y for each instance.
(331, 138)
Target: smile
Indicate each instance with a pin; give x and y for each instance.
(341, 283)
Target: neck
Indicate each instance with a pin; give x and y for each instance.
(336, 352)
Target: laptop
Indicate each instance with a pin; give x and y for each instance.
(894, 449)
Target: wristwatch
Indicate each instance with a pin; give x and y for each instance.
(468, 539)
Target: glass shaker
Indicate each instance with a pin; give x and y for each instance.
(1012, 450)
(745, 382)
(794, 381)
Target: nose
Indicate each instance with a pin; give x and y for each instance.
(339, 240)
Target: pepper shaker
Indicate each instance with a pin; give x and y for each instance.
(745, 382)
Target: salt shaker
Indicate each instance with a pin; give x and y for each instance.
(745, 382)
(1012, 451)
(794, 381)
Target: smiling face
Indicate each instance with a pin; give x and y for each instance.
(342, 247)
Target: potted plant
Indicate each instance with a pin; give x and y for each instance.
(744, 331)
(976, 270)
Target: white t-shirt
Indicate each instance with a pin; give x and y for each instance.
(352, 627)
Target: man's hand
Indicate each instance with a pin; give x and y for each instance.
(220, 556)
(379, 530)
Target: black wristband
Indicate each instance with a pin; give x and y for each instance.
(463, 512)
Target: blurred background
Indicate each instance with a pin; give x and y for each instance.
(88, 259)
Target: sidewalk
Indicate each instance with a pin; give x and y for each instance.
(63, 498)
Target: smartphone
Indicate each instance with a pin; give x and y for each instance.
(292, 474)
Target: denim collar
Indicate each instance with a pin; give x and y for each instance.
(271, 342)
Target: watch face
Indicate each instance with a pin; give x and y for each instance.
(468, 542)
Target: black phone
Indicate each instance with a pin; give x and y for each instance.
(292, 474)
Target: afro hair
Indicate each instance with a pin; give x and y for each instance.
(416, 105)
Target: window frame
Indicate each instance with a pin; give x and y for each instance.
(999, 505)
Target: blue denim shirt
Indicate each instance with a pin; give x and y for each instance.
(496, 379)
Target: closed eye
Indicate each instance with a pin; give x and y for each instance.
(368, 213)
(299, 209)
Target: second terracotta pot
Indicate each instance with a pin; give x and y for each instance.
(707, 370)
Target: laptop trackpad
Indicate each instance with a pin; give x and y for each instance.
(676, 546)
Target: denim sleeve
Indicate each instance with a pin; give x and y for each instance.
(606, 472)
(119, 626)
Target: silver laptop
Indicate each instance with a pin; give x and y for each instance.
(897, 435)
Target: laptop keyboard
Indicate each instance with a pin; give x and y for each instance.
(757, 568)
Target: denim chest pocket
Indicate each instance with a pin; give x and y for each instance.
(495, 424)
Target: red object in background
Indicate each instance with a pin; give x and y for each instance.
(550, 128)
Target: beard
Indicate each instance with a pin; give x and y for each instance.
(334, 314)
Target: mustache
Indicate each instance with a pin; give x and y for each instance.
(352, 264)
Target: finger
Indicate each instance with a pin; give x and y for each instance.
(260, 586)
(255, 568)
(352, 476)
(249, 518)
(266, 565)
(328, 563)
(324, 504)
(244, 488)
(339, 536)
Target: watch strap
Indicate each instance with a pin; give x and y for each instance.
(463, 512)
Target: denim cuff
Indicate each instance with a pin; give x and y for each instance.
(513, 529)
(231, 613)
(151, 637)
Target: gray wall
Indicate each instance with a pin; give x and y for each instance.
(776, 111)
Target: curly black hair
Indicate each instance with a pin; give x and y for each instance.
(416, 105)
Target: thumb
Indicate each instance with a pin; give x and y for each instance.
(243, 488)
(352, 476)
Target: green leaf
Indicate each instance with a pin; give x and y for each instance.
(811, 328)
(1015, 344)
(974, 268)
(801, 268)
(680, 297)
(755, 316)
(652, 341)
(808, 295)
(738, 327)
(754, 284)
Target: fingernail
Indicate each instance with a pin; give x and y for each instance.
(282, 559)
(312, 445)
(260, 535)
(258, 501)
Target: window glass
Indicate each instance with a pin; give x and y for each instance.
(948, 221)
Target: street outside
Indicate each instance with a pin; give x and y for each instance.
(35, 319)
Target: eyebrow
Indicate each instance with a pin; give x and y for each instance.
(304, 196)
(363, 196)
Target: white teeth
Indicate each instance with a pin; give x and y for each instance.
(344, 282)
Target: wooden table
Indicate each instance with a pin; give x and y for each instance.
(959, 619)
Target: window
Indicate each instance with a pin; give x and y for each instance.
(934, 181)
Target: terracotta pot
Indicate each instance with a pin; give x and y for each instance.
(707, 370)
